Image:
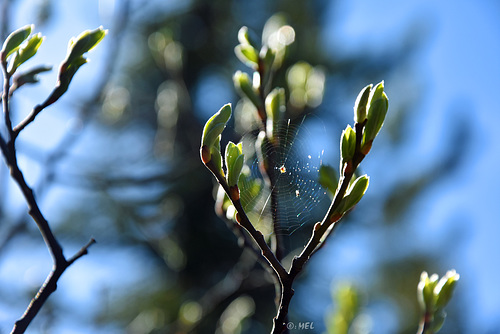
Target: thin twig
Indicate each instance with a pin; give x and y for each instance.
(25, 122)
(244, 221)
(48, 287)
(59, 261)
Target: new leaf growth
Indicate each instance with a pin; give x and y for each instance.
(210, 140)
(14, 40)
(77, 47)
(377, 105)
(433, 296)
(234, 162)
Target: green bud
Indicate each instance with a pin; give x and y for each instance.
(14, 40)
(444, 289)
(247, 55)
(26, 52)
(246, 37)
(356, 192)
(243, 37)
(376, 93)
(361, 104)
(268, 55)
(244, 85)
(348, 144)
(215, 125)
(376, 116)
(425, 291)
(261, 144)
(85, 42)
(275, 108)
(216, 157)
(234, 162)
(210, 140)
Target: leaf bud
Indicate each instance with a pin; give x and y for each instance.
(275, 108)
(245, 37)
(444, 289)
(248, 55)
(216, 158)
(378, 105)
(26, 52)
(215, 125)
(348, 144)
(425, 291)
(83, 43)
(356, 192)
(234, 162)
(360, 106)
(14, 40)
(244, 85)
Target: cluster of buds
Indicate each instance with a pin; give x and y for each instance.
(433, 295)
(370, 110)
(21, 45)
(211, 154)
(371, 107)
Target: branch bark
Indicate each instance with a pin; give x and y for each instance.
(59, 260)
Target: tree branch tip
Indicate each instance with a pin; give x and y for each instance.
(83, 251)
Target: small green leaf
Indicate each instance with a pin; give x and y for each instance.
(83, 43)
(78, 46)
(376, 117)
(14, 40)
(268, 55)
(247, 55)
(210, 140)
(361, 104)
(348, 143)
(26, 52)
(234, 162)
(328, 178)
(215, 125)
(243, 84)
(444, 289)
(261, 143)
(376, 92)
(216, 157)
(356, 192)
(246, 38)
(275, 108)
(425, 292)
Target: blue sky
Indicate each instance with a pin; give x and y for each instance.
(459, 66)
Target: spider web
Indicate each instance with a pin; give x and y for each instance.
(301, 200)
